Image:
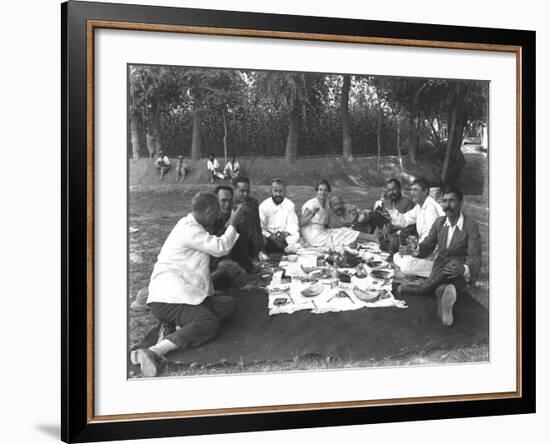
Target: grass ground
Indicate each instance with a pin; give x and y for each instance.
(154, 210)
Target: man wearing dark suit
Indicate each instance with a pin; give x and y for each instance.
(250, 229)
(459, 256)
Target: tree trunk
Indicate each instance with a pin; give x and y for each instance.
(151, 145)
(134, 137)
(155, 130)
(344, 107)
(413, 147)
(196, 153)
(291, 151)
(437, 138)
(378, 142)
(454, 159)
(399, 145)
(224, 138)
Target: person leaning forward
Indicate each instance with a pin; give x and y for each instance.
(459, 256)
(181, 292)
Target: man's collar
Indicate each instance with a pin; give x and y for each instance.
(459, 223)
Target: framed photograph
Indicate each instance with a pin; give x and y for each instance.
(275, 221)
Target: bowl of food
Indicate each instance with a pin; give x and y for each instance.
(313, 290)
(361, 271)
(366, 295)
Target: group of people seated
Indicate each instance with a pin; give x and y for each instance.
(231, 171)
(217, 243)
(163, 165)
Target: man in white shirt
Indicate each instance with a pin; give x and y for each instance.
(181, 292)
(278, 220)
(458, 261)
(423, 215)
(163, 164)
(213, 166)
(232, 168)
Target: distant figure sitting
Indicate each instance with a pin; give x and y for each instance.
(181, 169)
(213, 167)
(163, 164)
(232, 169)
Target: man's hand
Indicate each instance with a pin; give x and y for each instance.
(238, 215)
(404, 250)
(262, 256)
(454, 269)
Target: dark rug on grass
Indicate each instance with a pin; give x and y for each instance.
(252, 336)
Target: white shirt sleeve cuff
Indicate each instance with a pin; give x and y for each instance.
(466, 273)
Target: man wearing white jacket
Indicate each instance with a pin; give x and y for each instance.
(181, 292)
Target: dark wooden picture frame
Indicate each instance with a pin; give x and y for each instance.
(79, 21)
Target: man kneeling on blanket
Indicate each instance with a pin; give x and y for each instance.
(458, 260)
(181, 292)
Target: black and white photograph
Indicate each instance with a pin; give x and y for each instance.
(291, 221)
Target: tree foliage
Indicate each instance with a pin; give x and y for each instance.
(192, 111)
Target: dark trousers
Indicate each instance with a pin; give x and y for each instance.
(276, 243)
(437, 279)
(198, 323)
(242, 252)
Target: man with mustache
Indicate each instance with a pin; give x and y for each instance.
(278, 219)
(393, 200)
(422, 216)
(458, 260)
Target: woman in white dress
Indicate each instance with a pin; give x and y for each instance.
(315, 218)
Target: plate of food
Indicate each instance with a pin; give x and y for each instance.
(375, 263)
(381, 274)
(321, 274)
(280, 288)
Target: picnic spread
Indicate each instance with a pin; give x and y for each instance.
(323, 280)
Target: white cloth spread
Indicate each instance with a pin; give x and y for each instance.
(327, 301)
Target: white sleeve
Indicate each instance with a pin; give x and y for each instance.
(292, 224)
(432, 213)
(309, 205)
(404, 220)
(262, 210)
(211, 244)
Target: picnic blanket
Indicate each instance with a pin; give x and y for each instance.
(252, 336)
